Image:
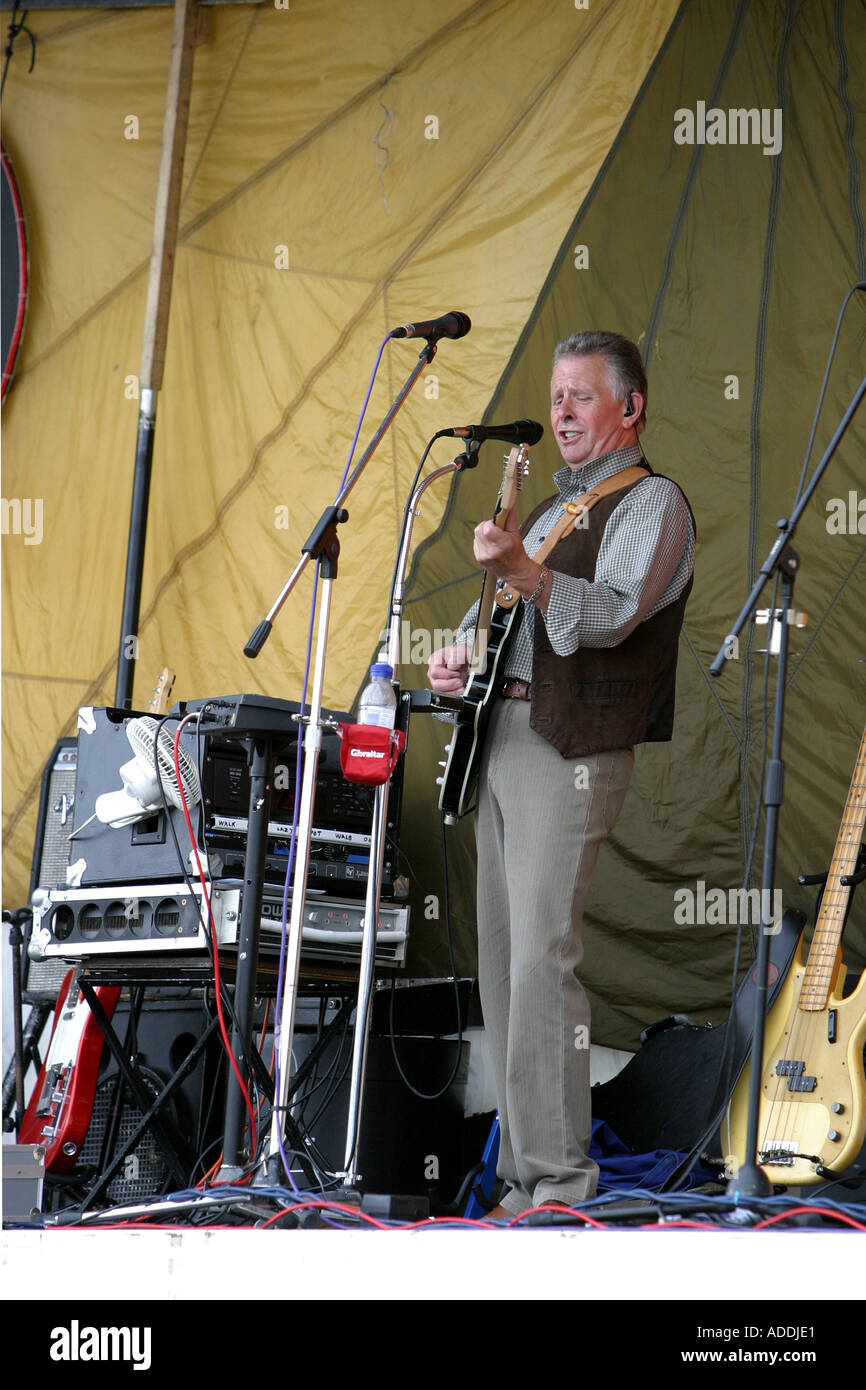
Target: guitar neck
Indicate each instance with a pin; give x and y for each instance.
(162, 692)
(824, 954)
(515, 467)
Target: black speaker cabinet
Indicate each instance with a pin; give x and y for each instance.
(408, 1145)
(160, 1039)
(43, 978)
(54, 824)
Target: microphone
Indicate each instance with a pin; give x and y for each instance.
(453, 325)
(521, 432)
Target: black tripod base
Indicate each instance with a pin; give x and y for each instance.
(394, 1207)
(751, 1181)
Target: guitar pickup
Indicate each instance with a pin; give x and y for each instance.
(795, 1074)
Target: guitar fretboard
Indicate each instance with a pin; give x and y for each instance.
(823, 955)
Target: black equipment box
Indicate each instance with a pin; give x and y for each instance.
(342, 816)
(146, 852)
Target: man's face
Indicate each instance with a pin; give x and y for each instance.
(586, 417)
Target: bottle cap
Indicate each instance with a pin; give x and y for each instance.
(381, 670)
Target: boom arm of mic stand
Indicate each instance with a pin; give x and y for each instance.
(331, 515)
(322, 543)
(780, 556)
(787, 528)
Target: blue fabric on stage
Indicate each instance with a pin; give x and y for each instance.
(620, 1168)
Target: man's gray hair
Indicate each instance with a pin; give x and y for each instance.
(625, 367)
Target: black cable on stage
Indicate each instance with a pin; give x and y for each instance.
(331, 1079)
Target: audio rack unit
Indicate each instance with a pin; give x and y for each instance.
(333, 928)
(156, 918)
(131, 917)
(343, 812)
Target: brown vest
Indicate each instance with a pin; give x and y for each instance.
(601, 698)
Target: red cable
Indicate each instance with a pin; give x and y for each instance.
(215, 943)
(806, 1210)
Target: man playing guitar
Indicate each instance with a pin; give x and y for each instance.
(589, 673)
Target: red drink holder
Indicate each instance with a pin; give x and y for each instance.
(369, 753)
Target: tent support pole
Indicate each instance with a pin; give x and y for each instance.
(165, 225)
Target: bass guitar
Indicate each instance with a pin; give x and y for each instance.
(812, 1119)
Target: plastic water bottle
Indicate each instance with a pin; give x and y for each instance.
(378, 704)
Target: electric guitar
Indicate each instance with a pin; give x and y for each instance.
(493, 635)
(494, 630)
(162, 692)
(812, 1118)
(58, 1114)
(60, 1107)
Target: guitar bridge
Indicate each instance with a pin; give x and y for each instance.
(781, 1152)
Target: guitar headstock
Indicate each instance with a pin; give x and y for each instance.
(516, 468)
(162, 692)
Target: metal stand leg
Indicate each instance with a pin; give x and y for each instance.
(286, 1021)
(365, 985)
(248, 953)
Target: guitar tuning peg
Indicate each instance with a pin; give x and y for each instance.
(443, 764)
(439, 781)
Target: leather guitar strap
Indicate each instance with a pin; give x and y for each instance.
(574, 514)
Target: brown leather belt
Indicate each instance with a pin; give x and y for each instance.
(517, 690)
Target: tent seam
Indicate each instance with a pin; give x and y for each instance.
(687, 190)
(850, 147)
(242, 47)
(710, 685)
(236, 259)
(755, 423)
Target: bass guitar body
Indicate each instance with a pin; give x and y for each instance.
(812, 1118)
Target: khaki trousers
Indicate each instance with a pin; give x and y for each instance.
(541, 819)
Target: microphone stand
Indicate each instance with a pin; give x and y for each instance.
(750, 1179)
(323, 545)
(350, 1175)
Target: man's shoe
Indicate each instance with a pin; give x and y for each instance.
(499, 1213)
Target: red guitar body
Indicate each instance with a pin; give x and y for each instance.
(59, 1110)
